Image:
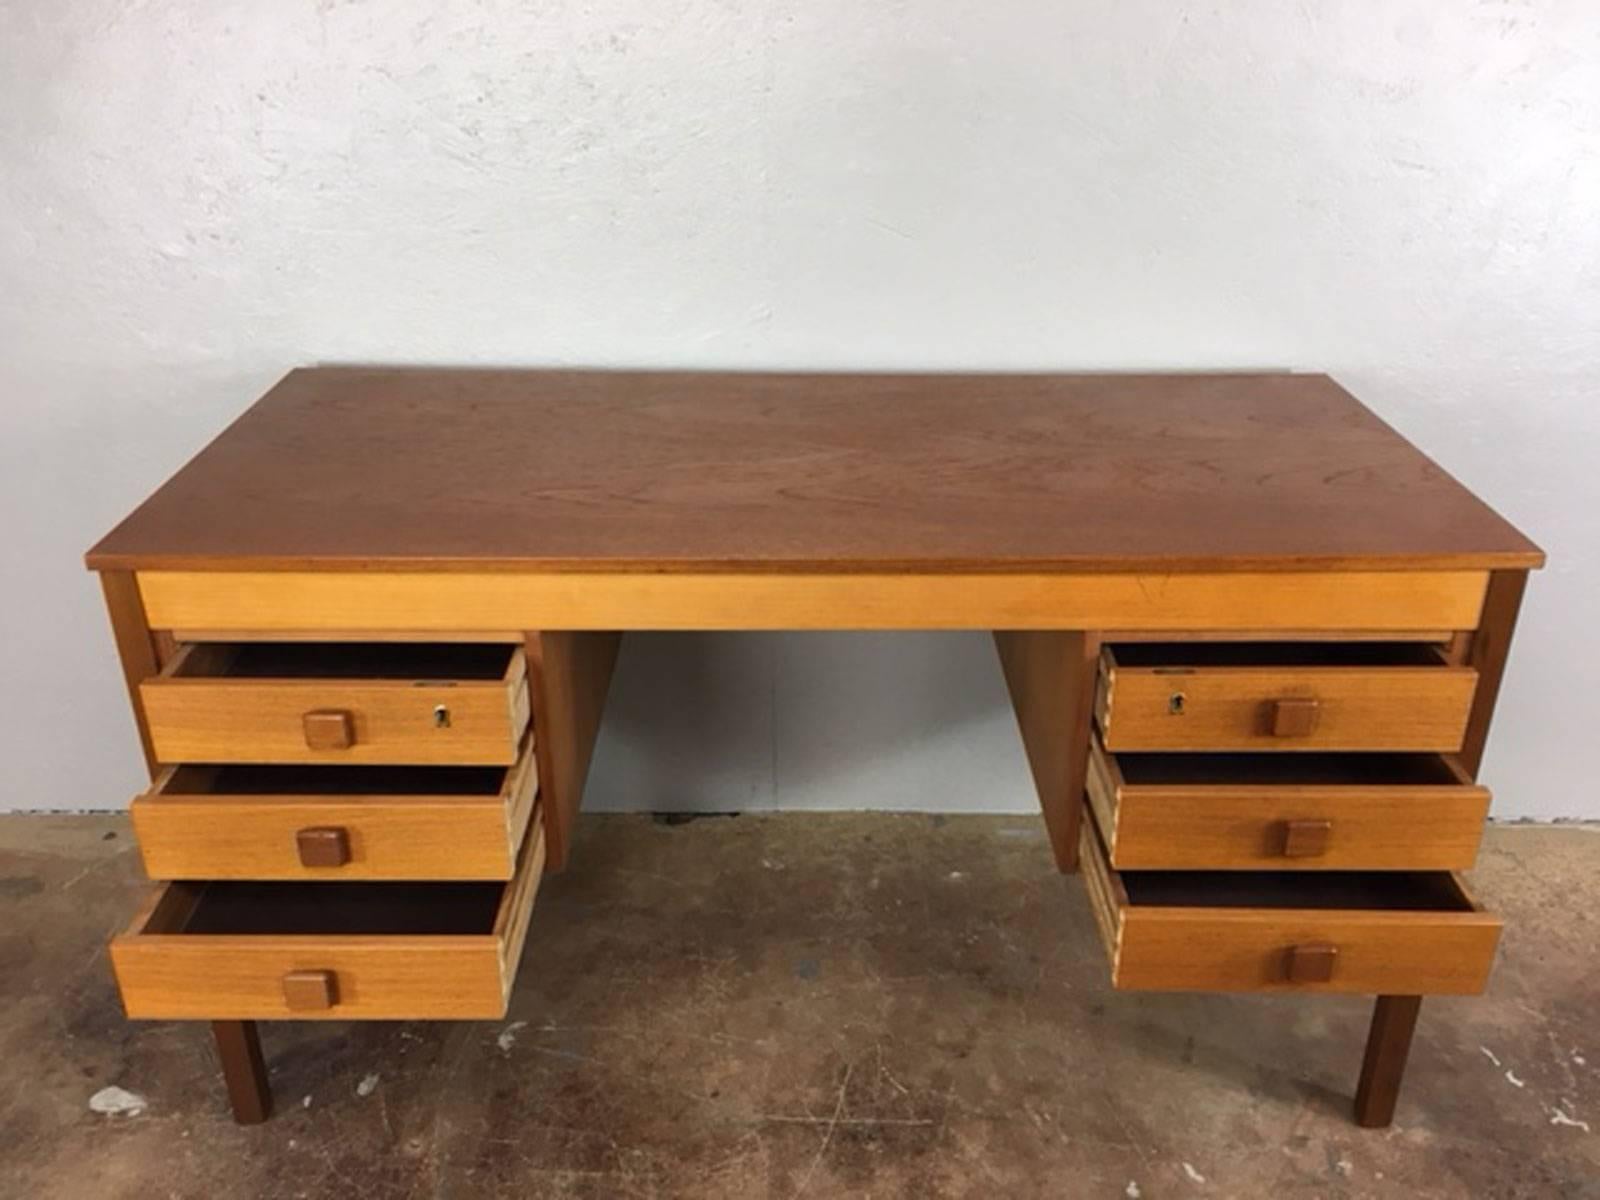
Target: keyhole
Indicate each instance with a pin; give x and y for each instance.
(441, 717)
(1175, 704)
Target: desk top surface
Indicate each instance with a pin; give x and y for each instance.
(364, 468)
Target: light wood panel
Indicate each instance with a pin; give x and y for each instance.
(569, 675)
(416, 601)
(1238, 949)
(165, 973)
(1246, 825)
(198, 835)
(198, 713)
(1051, 676)
(1180, 707)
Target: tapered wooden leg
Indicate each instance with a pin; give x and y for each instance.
(244, 1070)
(1051, 676)
(1394, 1020)
(568, 674)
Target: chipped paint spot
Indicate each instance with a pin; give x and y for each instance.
(306, 1103)
(117, 1102)
(1514, 1081)
(368, 1084)
(1132, 1191)
(1343, 1165)
(508, 1036)
(1490, 1055)
(1194, 1176)
(956, 876)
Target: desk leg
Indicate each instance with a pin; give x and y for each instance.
(569, 674)
(1394, 1020)
(1051, 677)
(244, 1070)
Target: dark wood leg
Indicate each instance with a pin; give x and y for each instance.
(244, 1070)
(138, 648)
(1490, 646)
(1394, 1020)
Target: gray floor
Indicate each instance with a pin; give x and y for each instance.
(806, 1005)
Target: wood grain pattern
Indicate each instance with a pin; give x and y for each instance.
(171, 975)
(549, 470)
(1242, 708)
(196, 716)
(1244, 825)
(569, 675)
(255, 836)
(309, 600)
(1227, 949)
(1051, 677)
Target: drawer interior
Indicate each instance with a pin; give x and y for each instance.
(334, 780)
(1179, 655)
(1395, 891)
(345, 660)
(1289, 770)
(246, 908)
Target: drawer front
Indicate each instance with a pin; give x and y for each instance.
(1283, 949)
(206, 719)
(1284, 707)
(167, 973)
(197, 835)
(1257, 826)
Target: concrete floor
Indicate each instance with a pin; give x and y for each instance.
(821, 1005)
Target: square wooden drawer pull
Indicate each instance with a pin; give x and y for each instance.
(1295, 717)
(329, 729)
(323, 846)
(310, 991)
(1312, 963)
(1306, 839)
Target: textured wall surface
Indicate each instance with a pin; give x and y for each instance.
(196, 196)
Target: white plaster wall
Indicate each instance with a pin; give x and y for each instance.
(196, 196)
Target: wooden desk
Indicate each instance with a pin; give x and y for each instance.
(368, 633)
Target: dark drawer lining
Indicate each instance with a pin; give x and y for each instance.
(1393, 891)
(1277, 654)
(355, 660)
(263, 909)
(333, 780)
(1302, 769)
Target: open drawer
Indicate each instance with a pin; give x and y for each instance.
(404, 703)
(1286, 811)
(336, 823)
(1282, 696)
(1380, 933)
(315, 951)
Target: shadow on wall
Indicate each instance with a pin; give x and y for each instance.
(723, 722)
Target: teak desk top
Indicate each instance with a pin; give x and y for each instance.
(548, 471)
